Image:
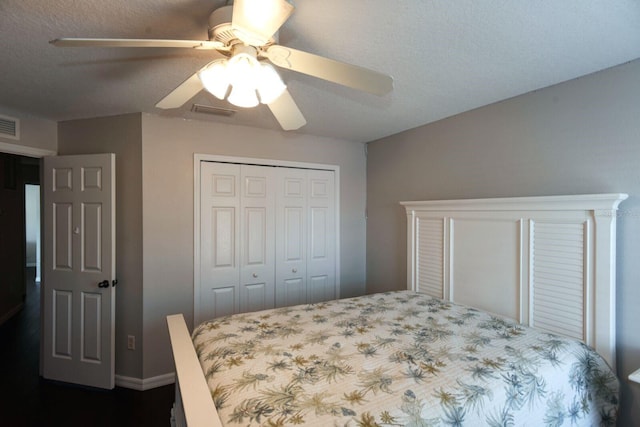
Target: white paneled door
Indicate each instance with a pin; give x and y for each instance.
(321, 260)
(291, 245)
(257, 234)
(220, 246)
(79, 269)
(267, 238)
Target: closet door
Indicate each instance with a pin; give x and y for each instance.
(321, 232)
(291, 237)
(257, 234)
(219, 243)
(267, 238)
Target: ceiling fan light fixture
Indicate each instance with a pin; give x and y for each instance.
(270, 85)
(215, 78)
(243, 70)
(243, 96)
(247, 77)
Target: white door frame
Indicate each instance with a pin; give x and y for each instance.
(198, 158)
(25, 150)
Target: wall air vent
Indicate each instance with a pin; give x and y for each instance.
(208, 109)
(9, 127)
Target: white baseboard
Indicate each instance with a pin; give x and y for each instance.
(142, 384)
(9, 314)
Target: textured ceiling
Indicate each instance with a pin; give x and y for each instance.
(445, 56)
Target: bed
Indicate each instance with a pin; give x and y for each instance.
(508, 319)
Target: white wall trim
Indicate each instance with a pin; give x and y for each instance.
(142, 384)
(23, 150)
(261, 162)
(197, 158)
(578, 202)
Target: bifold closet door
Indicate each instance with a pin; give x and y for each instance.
(219, 244)
(267, 238)
(291, 241)
(257, 236)
(321, 236)
(237, 253)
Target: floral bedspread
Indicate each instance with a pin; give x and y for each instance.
(399, 359)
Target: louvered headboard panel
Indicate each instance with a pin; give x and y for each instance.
(560, 281)
(431, 256)
(548, 262)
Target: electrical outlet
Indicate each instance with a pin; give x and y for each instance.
(131, 342)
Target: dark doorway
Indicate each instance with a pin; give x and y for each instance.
(15, 172)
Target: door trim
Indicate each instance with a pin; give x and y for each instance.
(198, 158)
(24, 150)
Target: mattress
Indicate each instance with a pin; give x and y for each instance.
(399, 359)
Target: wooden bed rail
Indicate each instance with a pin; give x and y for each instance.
(194, 405)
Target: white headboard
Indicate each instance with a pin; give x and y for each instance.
(548, 262)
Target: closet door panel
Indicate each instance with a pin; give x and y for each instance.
(291, 241)
(320, 227)
(321, 280)
(219, 302)
(267, 238)
(257, 234)
(255, 297)
(291, 292)
(255, 244)
(219, 245)
(320, 289)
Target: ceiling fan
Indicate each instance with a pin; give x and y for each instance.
(246, 35)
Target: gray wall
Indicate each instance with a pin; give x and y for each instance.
(582, 136)
(120, 135)
(34, 132)
(154, 214)
(167, 157)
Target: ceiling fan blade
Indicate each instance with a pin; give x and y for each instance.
(180, 95)
(193, 44)
(255, 21)
(324, 68)
(287, 112)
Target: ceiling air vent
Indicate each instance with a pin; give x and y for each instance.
(9, 127)
(207, 109)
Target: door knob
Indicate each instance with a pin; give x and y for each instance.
(103, 284)
(295, 270)
(255, 275)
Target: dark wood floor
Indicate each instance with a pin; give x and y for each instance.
(28, 400)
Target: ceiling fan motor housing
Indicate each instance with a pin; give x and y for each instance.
(220, 28)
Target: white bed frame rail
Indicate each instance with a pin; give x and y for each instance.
(194, 406)
(548, 262)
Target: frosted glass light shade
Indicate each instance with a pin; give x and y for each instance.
(247, 77)
(243, 96)
(215, 79)
(243, 70)
(270, 85)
